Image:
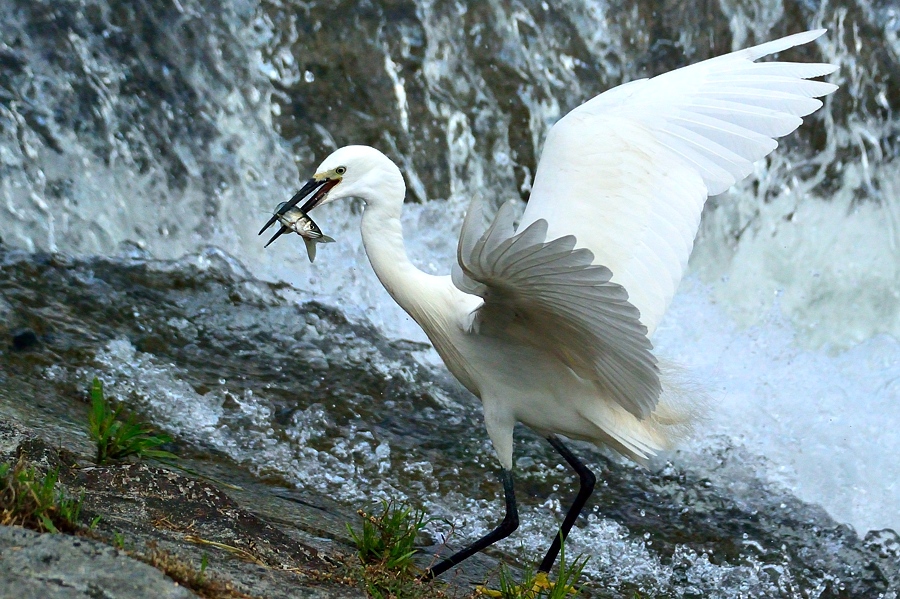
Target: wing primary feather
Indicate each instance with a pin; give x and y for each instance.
(798, 70)
(531, 237)
(714, 176)
(779, 83)
(764, 121)
(783, 102)
(731, 139)
(499, 230)
(472, 228)
(797, 39)
(547, 254)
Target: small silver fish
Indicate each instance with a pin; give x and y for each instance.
(300, 223)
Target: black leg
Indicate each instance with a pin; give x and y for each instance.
(509, 524)
(587, 487)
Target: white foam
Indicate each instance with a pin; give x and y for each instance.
(826, 423)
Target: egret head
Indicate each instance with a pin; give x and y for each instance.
(352, 171)
(363, 172)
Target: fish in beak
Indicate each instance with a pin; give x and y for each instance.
(300, 223)
(297, 220)
(316, 188)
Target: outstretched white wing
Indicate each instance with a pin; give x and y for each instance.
(551, 296)
(627, 173)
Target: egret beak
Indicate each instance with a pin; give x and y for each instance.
(318, 188)
(280, 232)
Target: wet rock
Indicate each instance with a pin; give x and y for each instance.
(51, 566)
(154, 499)
(886, 542)
(5, 309)
(149, 508)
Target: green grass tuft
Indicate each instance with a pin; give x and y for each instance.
(117, 438)
(32, 501)
(529, 588)
(389, 538)
(118, 540)
(385, 547)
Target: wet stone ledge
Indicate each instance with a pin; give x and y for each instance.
(153, 511)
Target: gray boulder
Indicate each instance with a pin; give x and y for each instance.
(51, 566)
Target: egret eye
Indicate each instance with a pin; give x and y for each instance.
(341, 170)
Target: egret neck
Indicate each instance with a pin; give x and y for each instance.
(432, 301)
(382, 235)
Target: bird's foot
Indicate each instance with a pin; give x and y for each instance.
(541, 583)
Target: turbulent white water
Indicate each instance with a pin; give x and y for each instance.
(825, 423)
(791, 314)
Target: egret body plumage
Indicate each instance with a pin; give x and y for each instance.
(549, 323)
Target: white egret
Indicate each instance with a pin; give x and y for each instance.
(549, 323)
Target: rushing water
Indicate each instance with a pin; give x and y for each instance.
(162, 126)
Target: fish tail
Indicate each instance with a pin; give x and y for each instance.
(310, 248)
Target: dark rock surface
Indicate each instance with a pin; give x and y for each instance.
(235, 325)
(146, 506)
